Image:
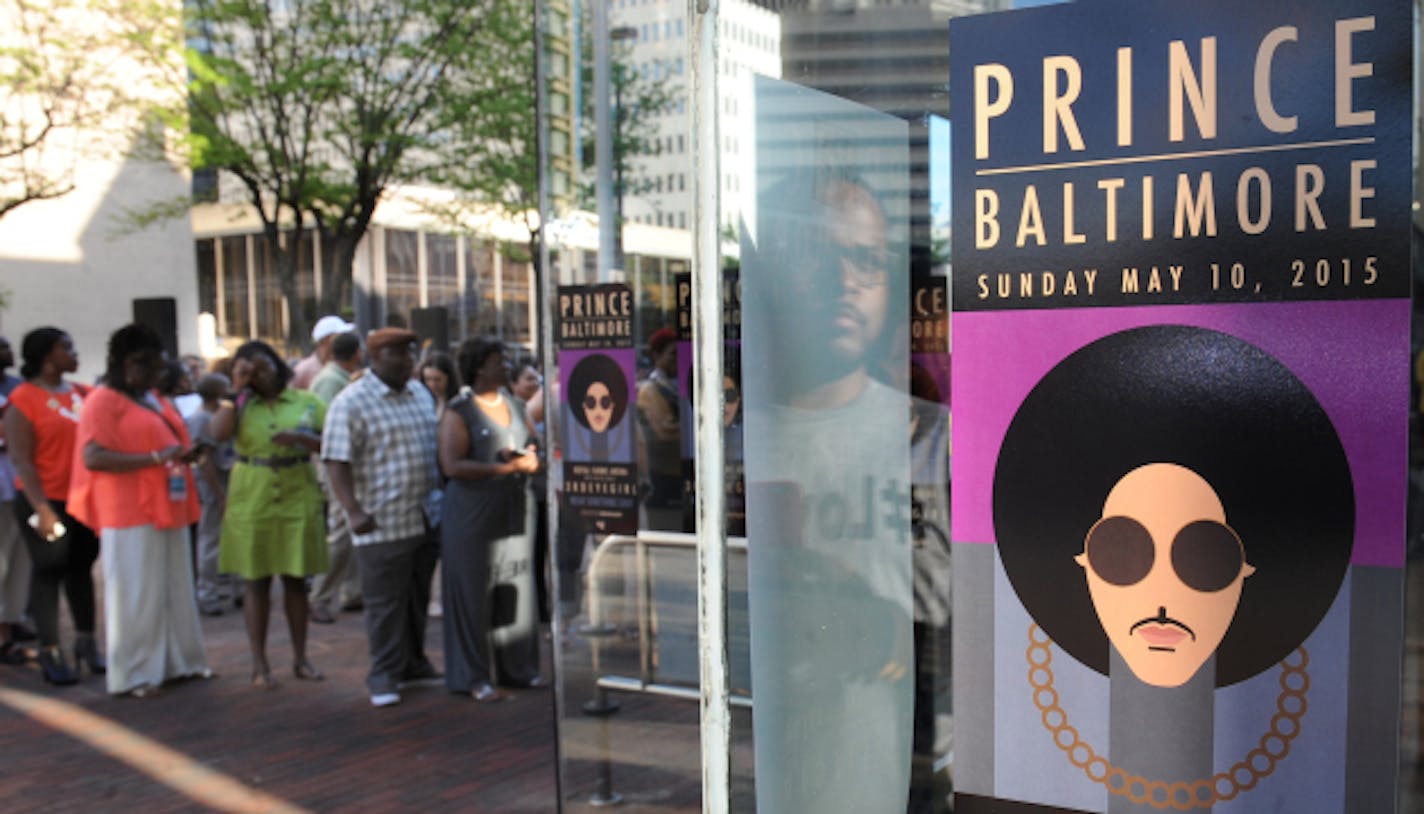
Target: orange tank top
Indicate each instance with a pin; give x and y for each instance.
(55, 418)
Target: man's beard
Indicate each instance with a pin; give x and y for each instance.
(815, 349)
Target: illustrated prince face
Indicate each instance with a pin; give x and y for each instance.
(1178, 496)
(598, 406)
(1164, 571)
(598, 392)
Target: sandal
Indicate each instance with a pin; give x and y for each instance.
(486, 694)
(304, 671)
(144, 691)
(263, 680)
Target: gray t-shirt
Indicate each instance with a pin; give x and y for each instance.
(829, 576)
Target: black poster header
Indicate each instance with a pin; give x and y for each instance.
(1251, 156)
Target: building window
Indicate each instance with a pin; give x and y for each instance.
(514, 302)
(481, 312)
(270, 328)
(207, 276)
(442, 280)
(234, 265)
(402, 273)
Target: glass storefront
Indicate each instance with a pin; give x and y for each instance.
(790, 161)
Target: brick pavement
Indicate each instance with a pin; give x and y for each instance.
(317, 746)
(322, 747)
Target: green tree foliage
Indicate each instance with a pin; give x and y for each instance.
(79, 79)
(494, 164)
(319, 106)
(491, 163)
(640, 93)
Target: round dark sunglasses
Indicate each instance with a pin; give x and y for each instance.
(1206, 555)
(590, 402)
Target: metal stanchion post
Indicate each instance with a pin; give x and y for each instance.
(602, 707)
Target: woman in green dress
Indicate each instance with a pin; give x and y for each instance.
(273, 524)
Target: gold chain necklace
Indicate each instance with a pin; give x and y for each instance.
(1181, 795)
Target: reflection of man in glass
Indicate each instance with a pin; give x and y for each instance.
(828, 504)
(598, 399)
(835, 297)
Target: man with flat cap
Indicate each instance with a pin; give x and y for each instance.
(379, 449)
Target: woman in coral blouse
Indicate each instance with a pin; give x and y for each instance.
(40, 427)
(134, 485)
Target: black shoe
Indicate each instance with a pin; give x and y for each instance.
(12, 653)
(86, 652)
(55, 671)
(21, 632)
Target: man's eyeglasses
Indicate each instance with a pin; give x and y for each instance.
(1206, 555)
(867, 266)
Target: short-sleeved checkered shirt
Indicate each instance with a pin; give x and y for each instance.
(388, 438)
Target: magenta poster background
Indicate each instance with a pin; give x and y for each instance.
(1350, 358)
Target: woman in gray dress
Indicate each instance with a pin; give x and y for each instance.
(488, 452)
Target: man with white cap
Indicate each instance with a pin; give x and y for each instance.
(323, 332)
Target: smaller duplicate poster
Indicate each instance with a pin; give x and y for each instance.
(597, 376)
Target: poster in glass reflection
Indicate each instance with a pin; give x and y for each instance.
(732, 407)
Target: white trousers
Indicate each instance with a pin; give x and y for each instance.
(150, 613)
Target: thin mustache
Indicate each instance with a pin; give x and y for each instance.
(1162, 619)
(850, 311)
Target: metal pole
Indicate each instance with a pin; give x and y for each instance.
(601, 707)
(543, 346)
(618, 261)
(603, 143)
(707, 357)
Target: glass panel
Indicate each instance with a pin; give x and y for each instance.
(824, 276)
(402, 275)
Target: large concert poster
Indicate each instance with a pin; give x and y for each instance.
(596, 383)
(1181, 341)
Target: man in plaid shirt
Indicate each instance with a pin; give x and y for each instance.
(379, 449)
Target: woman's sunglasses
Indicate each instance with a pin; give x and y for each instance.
(1206, 555)
(606, 402)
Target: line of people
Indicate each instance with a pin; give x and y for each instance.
(344, 484)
